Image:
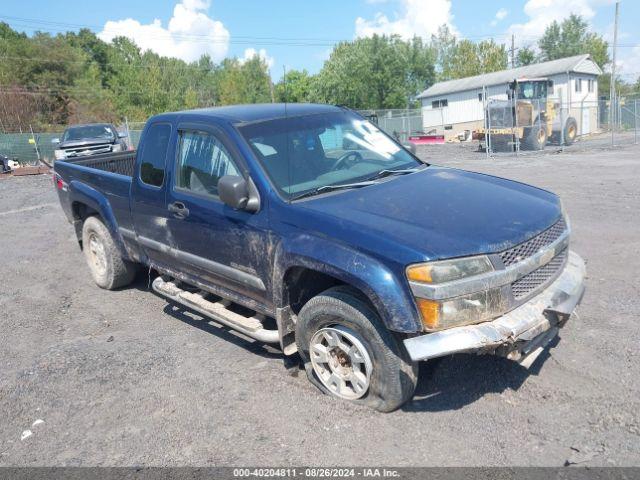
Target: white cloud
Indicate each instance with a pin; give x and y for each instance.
(249, 53)
(628, 63)
(500, 15)
(189, 34)
(542, 12)
(417, 17)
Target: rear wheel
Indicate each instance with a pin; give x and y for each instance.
(570, 131)
(108, 269)
(349, 353)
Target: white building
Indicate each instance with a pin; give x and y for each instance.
(456, 106)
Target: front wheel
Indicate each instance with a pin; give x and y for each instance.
(108, 269)
(535, 138)
(350, 354)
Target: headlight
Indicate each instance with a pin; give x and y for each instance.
(463, 310)
(59, 154)
(448, 270)
(116, 148)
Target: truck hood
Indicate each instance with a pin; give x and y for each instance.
(87, 142)
(439, 213)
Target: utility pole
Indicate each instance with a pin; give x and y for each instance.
(612, 93)
(513, 51)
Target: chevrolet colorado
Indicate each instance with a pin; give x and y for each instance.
(308, 227)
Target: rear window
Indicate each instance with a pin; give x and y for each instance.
(154, 153)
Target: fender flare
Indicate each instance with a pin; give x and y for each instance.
(380, 284)
(92, 198)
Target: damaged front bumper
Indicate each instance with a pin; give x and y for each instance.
(517, 332)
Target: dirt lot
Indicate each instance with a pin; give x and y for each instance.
(118, 378)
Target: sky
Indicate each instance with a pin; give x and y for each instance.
(297, 34)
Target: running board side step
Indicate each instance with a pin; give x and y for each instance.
(216, 310)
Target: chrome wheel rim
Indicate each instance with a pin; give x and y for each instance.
(97, 254)
(341, 361)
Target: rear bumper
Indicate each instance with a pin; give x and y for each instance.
(528, 324)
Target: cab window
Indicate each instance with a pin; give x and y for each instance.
(202, 161)
(154, 153)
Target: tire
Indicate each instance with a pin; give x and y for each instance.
(570, 131)
(391, 378)
(535, 138)
(108, 269)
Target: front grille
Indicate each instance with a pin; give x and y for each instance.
(88, 150)
(533, 245)
(526, 285)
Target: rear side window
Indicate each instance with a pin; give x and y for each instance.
(202, 160)
(154, 153)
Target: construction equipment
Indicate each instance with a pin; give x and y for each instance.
(527, 120)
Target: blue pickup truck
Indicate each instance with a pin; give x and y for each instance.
(308, 227)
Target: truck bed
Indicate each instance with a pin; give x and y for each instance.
(122, 163)
(102, 182)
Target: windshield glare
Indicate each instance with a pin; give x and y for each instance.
(90, 131)
(532, 90)
(301, 154)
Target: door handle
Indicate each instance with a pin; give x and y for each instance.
(178, 209)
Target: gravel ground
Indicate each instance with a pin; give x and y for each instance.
(119, 378)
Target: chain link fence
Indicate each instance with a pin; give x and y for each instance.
(33, 147)
(399, 123)
(512, 127)
(504, 127)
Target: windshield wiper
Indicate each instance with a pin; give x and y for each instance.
(388, 173)
(329, 188)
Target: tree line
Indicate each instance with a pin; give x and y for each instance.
(75, 77)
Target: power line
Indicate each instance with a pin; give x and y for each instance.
(243, 39)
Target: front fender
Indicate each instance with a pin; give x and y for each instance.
(80, 192)
(381, 285)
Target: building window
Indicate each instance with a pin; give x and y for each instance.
(550, 87)
(591, 85)
(439, 103)
(480, 99)
(578, 82)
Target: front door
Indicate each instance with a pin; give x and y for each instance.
(211, 241)
(148, 195)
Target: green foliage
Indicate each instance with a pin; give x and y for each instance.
(376, 72)
(443, 45)
(295, 87)
(247, 82)
(525, 56)
(469, 58)
(572, 37)
(76, 77)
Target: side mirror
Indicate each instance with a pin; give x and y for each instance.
(238, 193)
(55, 141)
(410, 146)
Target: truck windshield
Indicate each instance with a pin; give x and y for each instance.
(89, 131)
(532, 90)
(308, 153)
